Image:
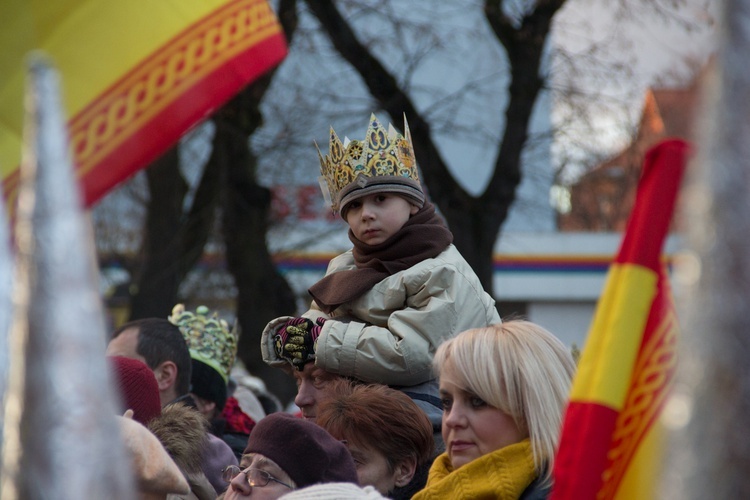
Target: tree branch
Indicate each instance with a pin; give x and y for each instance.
(389, 95)
(524, 47)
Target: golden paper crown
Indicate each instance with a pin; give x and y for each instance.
(383, 162)
(208, 338)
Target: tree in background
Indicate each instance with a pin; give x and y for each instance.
(348, 59)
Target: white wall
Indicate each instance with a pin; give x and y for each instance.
(569, 321)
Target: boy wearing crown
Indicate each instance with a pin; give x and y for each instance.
(384, 306)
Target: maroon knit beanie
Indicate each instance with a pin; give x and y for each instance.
(303, 450)
(139, 390)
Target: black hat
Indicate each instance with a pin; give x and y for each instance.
(208, 384)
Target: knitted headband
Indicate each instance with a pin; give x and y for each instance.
(302, 449)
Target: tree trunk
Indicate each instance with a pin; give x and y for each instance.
(173, 239)
(160, 273)
(262, 293)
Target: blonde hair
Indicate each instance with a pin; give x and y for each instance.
(519, 368)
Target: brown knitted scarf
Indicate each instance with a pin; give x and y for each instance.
(424, 236)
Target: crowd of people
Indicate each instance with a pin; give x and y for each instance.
(409, 383)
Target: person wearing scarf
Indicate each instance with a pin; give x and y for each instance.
(503, 389)
(384, 306)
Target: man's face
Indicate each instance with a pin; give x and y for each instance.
(311, 388)
(125, 345)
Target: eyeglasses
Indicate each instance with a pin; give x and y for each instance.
(255, 477)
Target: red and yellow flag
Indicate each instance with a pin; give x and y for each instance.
(136, 74)
(611, 438)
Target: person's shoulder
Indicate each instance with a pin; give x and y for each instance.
(537, 490)
(451, 253)
(450, 258)
(449, 268)
(342, 261)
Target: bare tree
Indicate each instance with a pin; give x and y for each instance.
(474, 220)
(174, 237)
(262, 293)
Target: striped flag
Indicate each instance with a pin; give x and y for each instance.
(611, 438)
(136, 74)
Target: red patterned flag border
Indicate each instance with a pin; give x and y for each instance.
(148, 109)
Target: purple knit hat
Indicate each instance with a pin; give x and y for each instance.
(139, 390)
(303, 450)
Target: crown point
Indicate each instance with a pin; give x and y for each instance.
(382, 153)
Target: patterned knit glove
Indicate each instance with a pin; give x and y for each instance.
(297, 339)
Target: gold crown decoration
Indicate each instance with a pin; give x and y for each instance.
(208, 337)
(384, 161)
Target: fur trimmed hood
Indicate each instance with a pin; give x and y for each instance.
(184, 433)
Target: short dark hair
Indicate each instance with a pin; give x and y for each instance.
(160, 341)
(378, 417)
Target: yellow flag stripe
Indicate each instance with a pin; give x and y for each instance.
(607, 361)
(641, 479)
(115, 36)
(163, 79)
(650, 383)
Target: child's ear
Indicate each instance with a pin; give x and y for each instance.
(414, 209)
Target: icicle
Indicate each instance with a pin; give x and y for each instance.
(61, 434)
(709, 408)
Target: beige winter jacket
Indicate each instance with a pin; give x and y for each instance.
(390, 334)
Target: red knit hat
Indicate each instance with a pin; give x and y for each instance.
(139, 390)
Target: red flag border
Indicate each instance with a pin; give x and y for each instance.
(177, 86)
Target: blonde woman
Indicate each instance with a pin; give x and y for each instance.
(503, 389)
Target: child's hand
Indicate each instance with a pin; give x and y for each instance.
(297, 340)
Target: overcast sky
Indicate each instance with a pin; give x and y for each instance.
(662, 51)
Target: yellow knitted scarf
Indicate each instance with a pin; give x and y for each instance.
(502, 474)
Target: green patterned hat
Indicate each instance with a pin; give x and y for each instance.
(208, 338)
